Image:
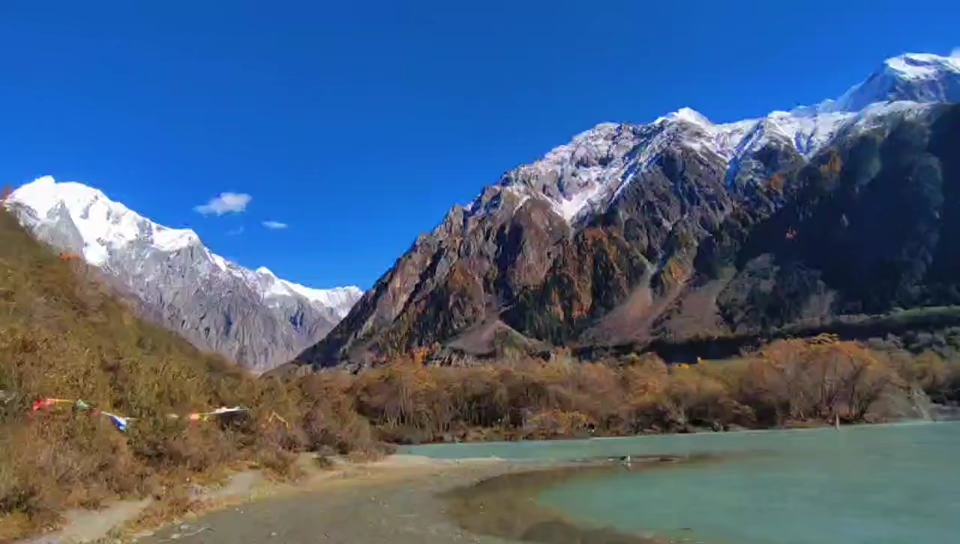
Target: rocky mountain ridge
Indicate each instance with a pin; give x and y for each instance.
(609, 238)
(249, 316)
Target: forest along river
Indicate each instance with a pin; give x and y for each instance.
(882, 484)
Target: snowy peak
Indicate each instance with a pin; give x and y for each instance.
(592, 169)
(103, 224)
(264, 271)
(340, 299)
(916, 77)
(108, 228)
(921, 66)
(686, 115)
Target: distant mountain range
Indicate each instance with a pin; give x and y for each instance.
(685, 228)
(249, 316)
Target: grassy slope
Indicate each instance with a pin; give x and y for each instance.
(63, 335)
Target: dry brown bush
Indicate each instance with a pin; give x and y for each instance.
(788, 382)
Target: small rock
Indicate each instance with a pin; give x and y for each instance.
(273, 534)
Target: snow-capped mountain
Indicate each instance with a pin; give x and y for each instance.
(250, 316)
(600, 234)
(916, 77)
(338, 299)
(590, 171)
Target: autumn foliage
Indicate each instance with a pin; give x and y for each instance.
(789, 382)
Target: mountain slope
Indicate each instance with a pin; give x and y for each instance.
(64, 335)
(251, 317)
(602, 240)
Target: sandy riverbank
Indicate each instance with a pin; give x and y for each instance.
(251, 508)
(396, 500)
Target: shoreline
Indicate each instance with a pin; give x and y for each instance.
(419, 500)
(121, 521)
(409, 449)
(397, 499)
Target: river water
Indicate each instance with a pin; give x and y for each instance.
(882, 484)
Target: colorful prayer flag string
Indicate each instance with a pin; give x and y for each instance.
(122, 422)
(47, 403)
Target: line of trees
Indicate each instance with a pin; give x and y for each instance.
(789, 382)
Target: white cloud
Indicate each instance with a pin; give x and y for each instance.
(955, 52)
(275, 225)
(235, 232)
(225, 203)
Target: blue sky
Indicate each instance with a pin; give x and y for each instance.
(359, 124)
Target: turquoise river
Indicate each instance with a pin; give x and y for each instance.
(881, 484)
